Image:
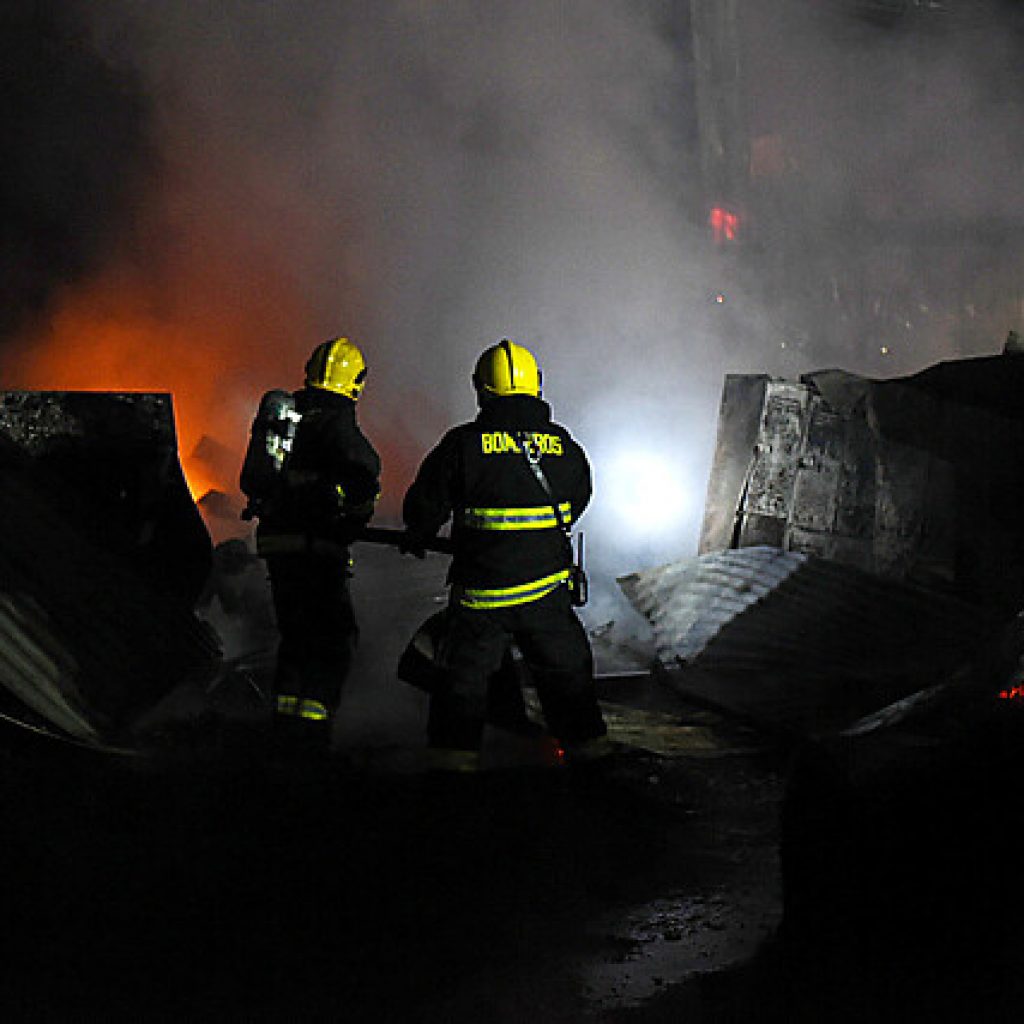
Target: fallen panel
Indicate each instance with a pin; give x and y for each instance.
(112, 461)
(800, 642)
(87, 640)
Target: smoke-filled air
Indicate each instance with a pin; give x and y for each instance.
(222, 186)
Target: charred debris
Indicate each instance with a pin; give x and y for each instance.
(855, 604)
(861, 555)
(858, 597)
(861, 548)
(103, 557)
(861, 558)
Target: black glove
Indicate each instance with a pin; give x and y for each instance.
(412, 543)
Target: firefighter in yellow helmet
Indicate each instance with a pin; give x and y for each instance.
(312, 479)
(513, 483)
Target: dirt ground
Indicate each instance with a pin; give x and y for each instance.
(149, 891)
(741, 885)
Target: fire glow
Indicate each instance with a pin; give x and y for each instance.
(103, 338)
(215, 361)
(724, 224)
(1012, 693)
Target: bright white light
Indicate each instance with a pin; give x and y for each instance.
(644, 491)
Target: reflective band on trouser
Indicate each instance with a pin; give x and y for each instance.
(503, 597)
(541, 517)
(302, 707)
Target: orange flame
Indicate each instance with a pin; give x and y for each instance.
(109, 337)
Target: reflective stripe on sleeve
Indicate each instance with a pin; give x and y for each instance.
(302, 707)
(504, 597)
(540, 517)
(314, 710)
(287, 704)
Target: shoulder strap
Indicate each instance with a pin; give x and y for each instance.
(532, 453)
(577, 577)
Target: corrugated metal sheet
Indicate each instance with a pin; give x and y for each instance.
(753, 608)
(37, 668)
(689, 602)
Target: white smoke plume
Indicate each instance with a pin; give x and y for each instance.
(431, 176)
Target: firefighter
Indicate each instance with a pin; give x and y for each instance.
(511, 576)
(312, 478)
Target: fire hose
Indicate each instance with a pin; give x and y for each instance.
(393, 537)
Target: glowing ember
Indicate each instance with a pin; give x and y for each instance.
(1013, 693)
(724, 224)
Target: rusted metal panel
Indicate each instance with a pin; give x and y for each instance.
(46, 423)
(862, 539)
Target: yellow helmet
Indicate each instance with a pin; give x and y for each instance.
(337, 365)
(507, 369)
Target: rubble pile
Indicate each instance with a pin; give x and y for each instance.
(914, 479)
(93, 625)
(860, 541)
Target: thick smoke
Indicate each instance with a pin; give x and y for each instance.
(75, 153)
(885, 157)
(431, 176)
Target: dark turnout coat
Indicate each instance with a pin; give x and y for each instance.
(504, 528)
(309, 511)
(330, 479)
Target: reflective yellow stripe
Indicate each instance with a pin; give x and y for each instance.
(540, 517)
(314, 710)
(302, 707)
(287, 705)
(504, 597)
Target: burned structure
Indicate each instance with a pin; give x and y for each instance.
(914, 479)
(101, 561)
(855, 528)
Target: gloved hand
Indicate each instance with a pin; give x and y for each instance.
(412, 544)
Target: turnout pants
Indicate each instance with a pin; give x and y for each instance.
(555, 649)
(318, 631)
